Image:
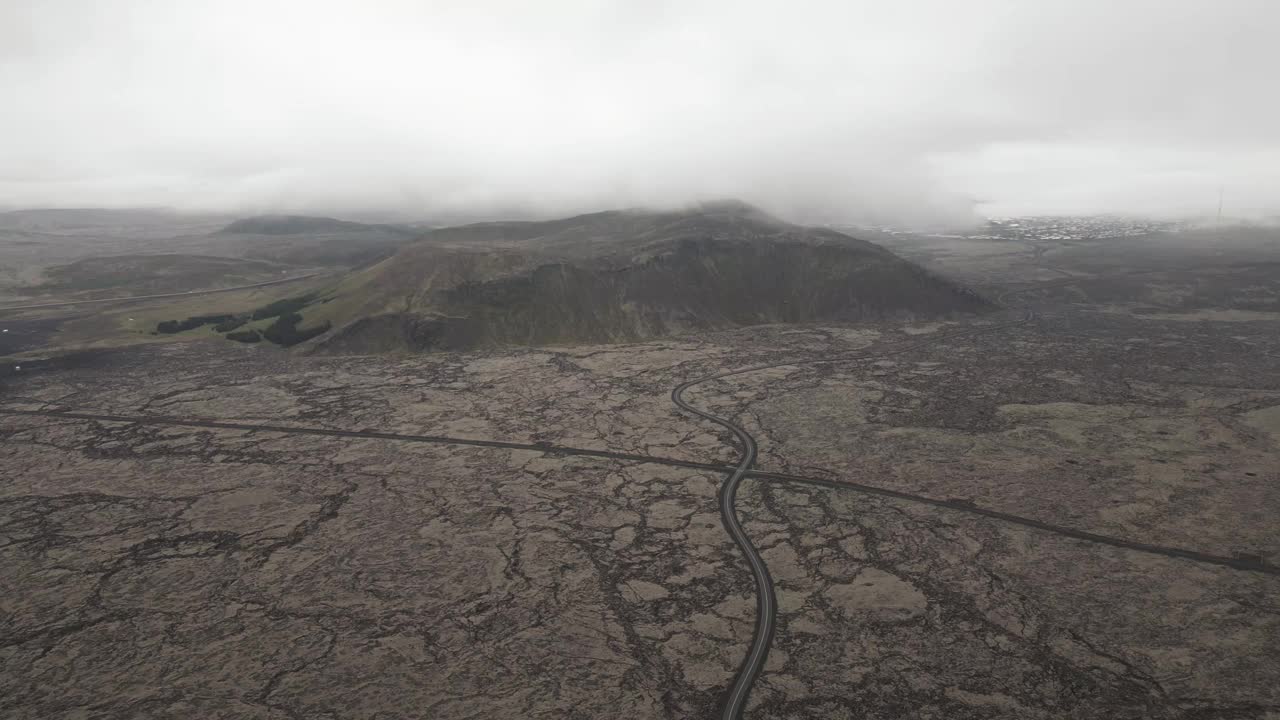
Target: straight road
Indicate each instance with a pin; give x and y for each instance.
(1234, 563)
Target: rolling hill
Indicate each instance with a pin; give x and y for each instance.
(620, 276)
(308, 241)
(142, 274)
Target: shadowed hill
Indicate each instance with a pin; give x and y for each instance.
(140, 274)
(298, 224)
(622, 276)
(310, 241)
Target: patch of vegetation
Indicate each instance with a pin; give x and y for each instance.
(285, 331)
(283, 307)
(245, 336)
(169, 327)
(232, 324)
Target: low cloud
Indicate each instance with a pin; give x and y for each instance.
(824, 110)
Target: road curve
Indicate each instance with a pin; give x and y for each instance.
(136, 298)
(766, 599)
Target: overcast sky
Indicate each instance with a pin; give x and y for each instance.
(840, 109)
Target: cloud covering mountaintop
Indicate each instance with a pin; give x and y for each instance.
(827, 110)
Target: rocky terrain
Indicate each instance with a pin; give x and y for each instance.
(1063, 514)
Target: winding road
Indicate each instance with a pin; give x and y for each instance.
(766, 599)
(735, 701)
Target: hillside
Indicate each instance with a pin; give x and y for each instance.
(35, 241)
(293, 225)
(133, 223)
(141, 274)
(621, 276)
(308, 241)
